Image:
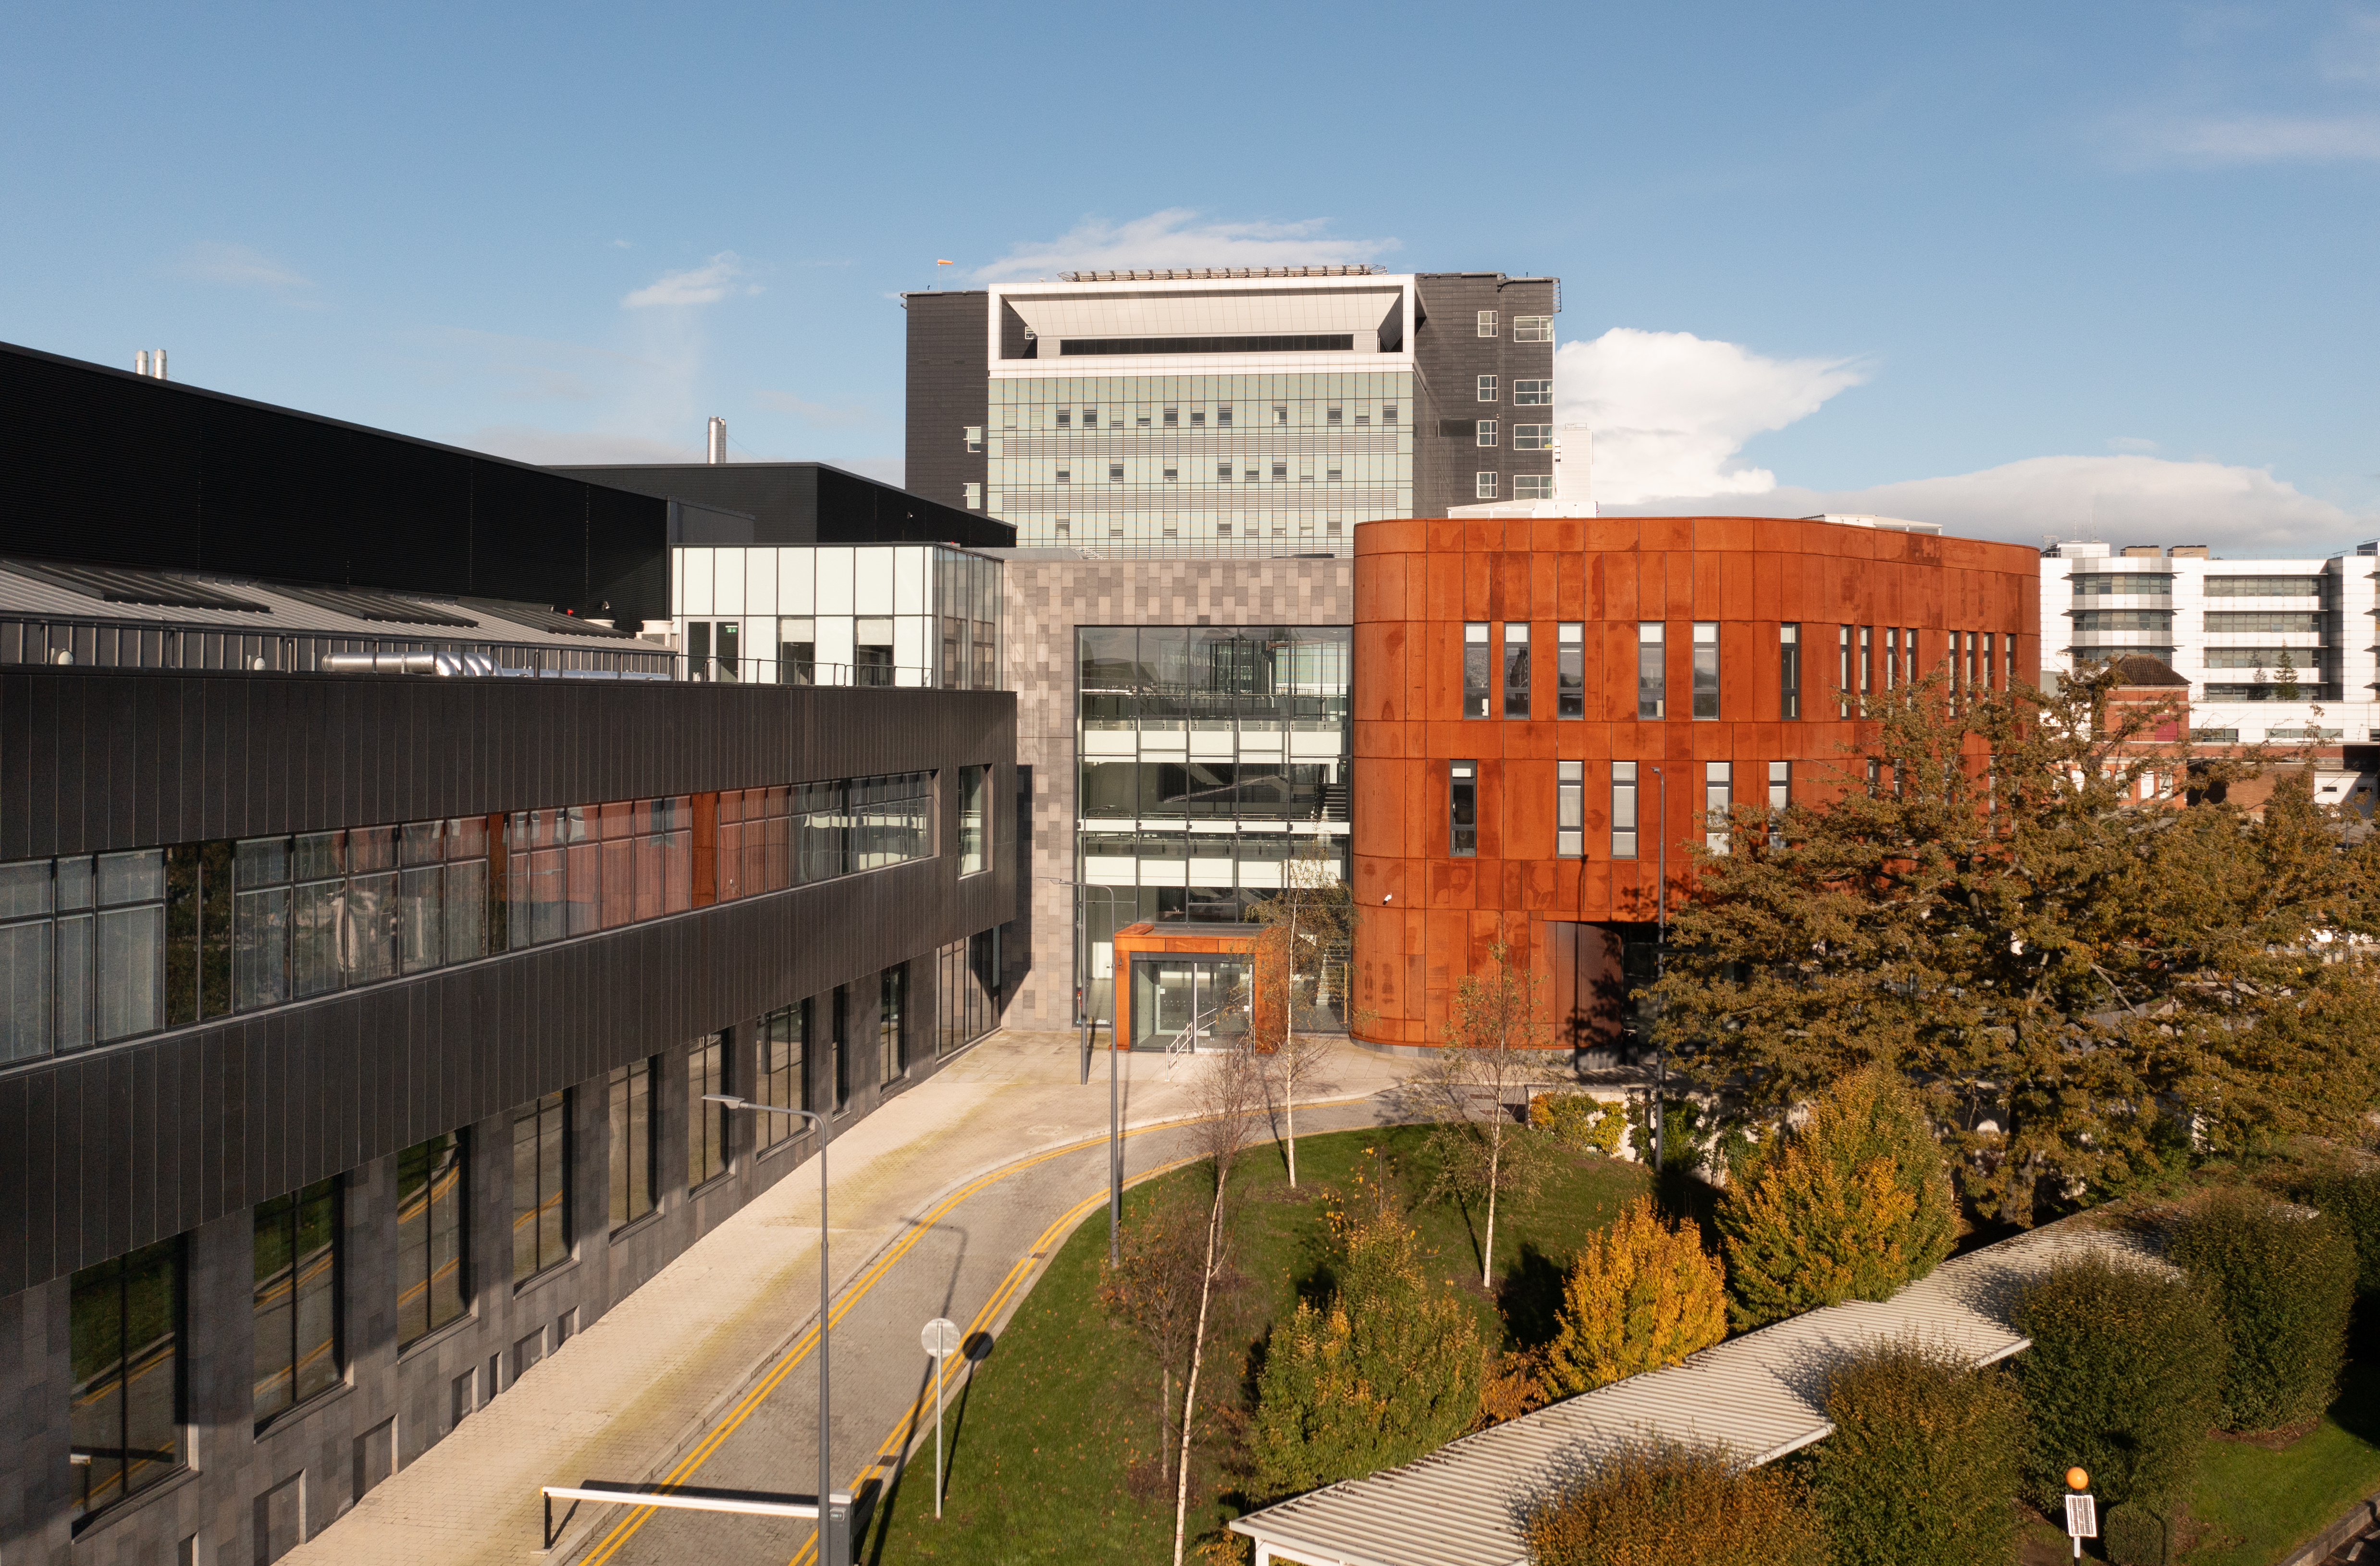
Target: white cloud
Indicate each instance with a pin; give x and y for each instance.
(2266, 139)
(2353, 53)
(1175, 238)
(237, 266)
(819, 414)
(1671, 411)
(2133, 443)
(621, 245)
(704, 284)
(561, 448)
(2123, 498)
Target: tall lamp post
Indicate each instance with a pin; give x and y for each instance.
(1090, 1031)
(834, 1507)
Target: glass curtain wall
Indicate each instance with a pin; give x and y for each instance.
(1222, 465)
(1210, 756)
(967, 991)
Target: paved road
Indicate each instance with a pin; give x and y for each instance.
(942, 1204)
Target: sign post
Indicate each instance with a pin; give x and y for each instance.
(2081, 1510)
(941, 1339)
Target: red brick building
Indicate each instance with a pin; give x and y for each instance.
(1534, 698)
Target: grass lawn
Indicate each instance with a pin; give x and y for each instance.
(2256, 1504)
(1053, 1447)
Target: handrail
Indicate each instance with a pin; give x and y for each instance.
(747, 1503)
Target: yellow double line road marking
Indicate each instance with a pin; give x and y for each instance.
(800, 1349)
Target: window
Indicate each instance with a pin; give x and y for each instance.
(1280, 472)
(1197, 418)
(2258, 587)
(1570, 670)
(1222, 472)
(2159, 620)
(1388, 413)
(785, 1071)
(433, 1229)
(1780, 784)
(1843, 672)
(967, 991)
(1115, 472)
(1891, 656)
(1090, 419)
(541, 1185)
(1066, 417)
(1988, 639)
(1173, 475)
(974, 500)
(2157, 584)
(1486, 388)
(1532, 393)
(705, 1122)
(630, 1094)
(1486, 435)
(2009, 681)
(842, 1044)
(1463, 809)
(1718, 789)
(1569, 809)
(1331, 414)
(1516, 668)
(1706, 669)
(1486, 324)
(1279, 413)
(1065, 527)
(1474, 669)
(1170, 418)
(972, 853)
(973, 435)
(1533, 486)
(1532, 437)
(1533, 329)
(892, 1029)
(1483, 486)
(1066, 476)
(1866, 660)
(1140, 420)
(1624, 810)
(1331, 472)
(124, 1419)
(297, 1298)
(1970, 644)
(1652, 673)
(1222, 415)
(1789, 670)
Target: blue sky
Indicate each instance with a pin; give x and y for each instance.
(2022, 270)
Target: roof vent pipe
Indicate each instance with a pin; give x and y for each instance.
(718, 440)
(160, 362)
(140, 362)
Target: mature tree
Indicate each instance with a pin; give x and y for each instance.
(1385, 1370)
(1990, 908)
(1643, 1293)
(1154, 1290)
(1310, 930)
(1230, 1092)
(1476, 1081)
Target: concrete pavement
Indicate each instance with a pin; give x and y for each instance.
(943, 1203)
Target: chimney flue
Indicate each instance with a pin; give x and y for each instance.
(140, 362)
(718, 440)
(160, 362)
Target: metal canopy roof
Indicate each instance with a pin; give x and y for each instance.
(1761, 1395)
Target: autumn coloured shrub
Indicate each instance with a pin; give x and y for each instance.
(1579, 1122)
(1850, 1207)
(1641, 1294)
(1662, 1505)
(2124, 1379)
(1924, 1460)
(2282, 1279)
(2351, 1198)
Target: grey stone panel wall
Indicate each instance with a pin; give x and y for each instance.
(1046, 600)
(1451, 355)
(950, 388)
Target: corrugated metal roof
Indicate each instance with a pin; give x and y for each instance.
(1760, 1395)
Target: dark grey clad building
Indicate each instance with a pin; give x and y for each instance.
(366, 951)
(1230, 412)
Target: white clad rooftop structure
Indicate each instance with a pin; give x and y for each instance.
(1760, 1396)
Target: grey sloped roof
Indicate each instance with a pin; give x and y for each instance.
(1760, 1395)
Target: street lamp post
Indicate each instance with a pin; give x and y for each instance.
(833, 1506)
(1090, 1031)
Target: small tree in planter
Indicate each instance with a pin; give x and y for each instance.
(1641, 1294)
(2283, 1283)
(1924, 1458)
(1310, 928)
(1492, 1056)
(1655, 1504)
(1851, 1206)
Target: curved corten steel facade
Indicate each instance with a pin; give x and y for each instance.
(1430, 914)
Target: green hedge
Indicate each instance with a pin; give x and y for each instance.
(1667, 1505)
(2137, 1534)
(1924, 1458)
(2351, 1199)
(2283, 1281)
(2125, 1377)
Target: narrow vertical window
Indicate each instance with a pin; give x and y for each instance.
(1516, 668)
(1867, 660)
(2008, 680)
(1486, 388)
(1463, 809)
(1706, 669)
(297, 1298)
(784, 1040)
(842, 1045)
(1570, 671)
(1968, 654)
(1475, 669)
(1891, 655)
(1780, 795)
(432, 1233)
(1486, 324)
(631, 1126)
(1624, 810)
(1652, 673)
(705, 1122)
(974, 852)
(892, 1032)
(541, 1185)
(1569, 809)
(1843, 672)
(1789, 670)
(1718, 799)
(124, 1420)
(1988, 650)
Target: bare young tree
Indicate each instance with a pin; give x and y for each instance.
(1229, 1093)
(1310, 928)
(1154, 1289)
(1492, 1056)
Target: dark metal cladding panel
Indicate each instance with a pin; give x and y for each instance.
(950, 388)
